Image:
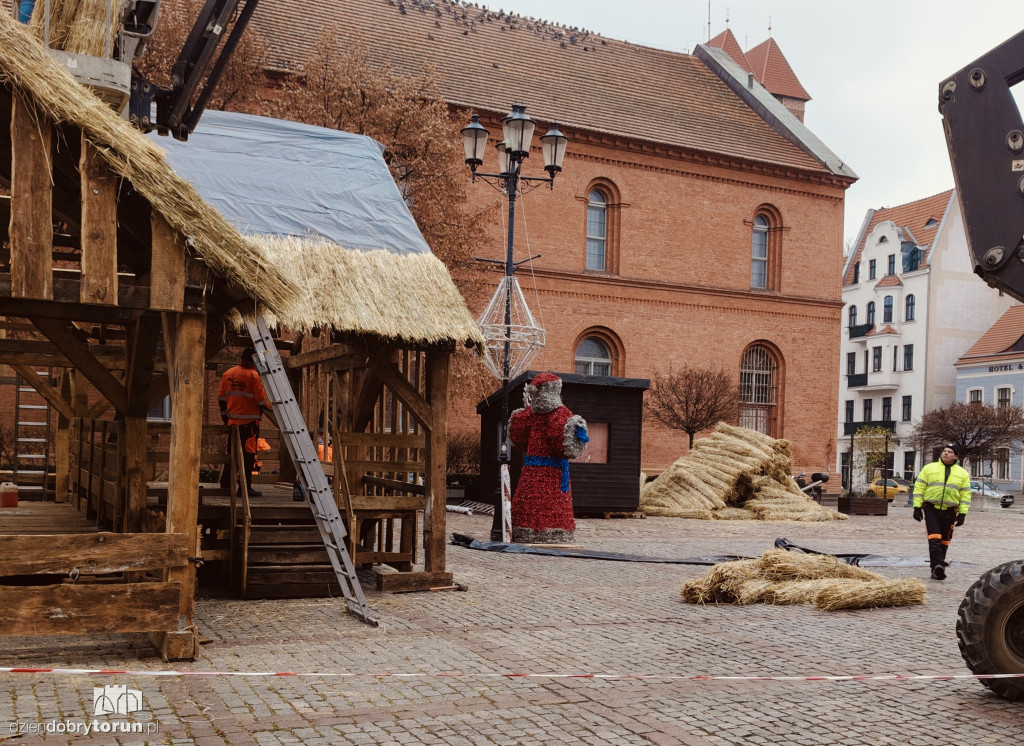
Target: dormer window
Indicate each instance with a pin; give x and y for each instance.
(883, 239)
(931, 223)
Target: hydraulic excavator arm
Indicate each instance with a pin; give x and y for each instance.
(985, 138)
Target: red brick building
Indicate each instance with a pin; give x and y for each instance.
(716, 216)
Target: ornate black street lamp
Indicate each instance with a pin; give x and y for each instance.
(512, 336)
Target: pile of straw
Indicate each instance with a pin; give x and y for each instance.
(80, 26)
(786, 578)
(733, 473)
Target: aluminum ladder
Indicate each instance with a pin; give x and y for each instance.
(303, 454)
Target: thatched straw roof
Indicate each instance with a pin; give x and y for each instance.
(733, 473)
(395, 296)
(27, 67)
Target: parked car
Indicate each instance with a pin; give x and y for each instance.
(889, 488)
(983, 487)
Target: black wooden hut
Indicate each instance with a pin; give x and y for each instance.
(606, 479)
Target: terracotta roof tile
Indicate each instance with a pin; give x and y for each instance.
(1000, 337)
(889, 281)
(922, 217)
(773, 71)
(484, 59)
(727, 41)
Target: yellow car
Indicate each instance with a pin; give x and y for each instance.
(889, 488)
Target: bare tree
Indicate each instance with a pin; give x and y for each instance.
(979, 430)
(692, 399)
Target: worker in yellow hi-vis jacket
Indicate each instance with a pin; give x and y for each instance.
(942, 497)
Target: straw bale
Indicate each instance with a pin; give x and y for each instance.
(696, 592)
(753, 590)
(792, 592)
(871, 595)
(732, 514)
(780, 563)
(725, 578)
(26, 66)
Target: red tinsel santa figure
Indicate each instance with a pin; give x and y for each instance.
(549, 435)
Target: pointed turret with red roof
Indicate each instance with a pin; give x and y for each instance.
(769, 67)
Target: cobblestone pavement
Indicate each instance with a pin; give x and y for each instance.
(555, 615)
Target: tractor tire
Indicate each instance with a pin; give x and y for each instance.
(990, 628)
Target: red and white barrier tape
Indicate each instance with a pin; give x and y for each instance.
(457, 675)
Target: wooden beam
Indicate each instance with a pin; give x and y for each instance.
(393, 378)
(167, 274)
(382, 440)
(141, 353)
(31, 203)
(88, 608)
(62, 442)
(334, 352)
(434, 517)
(398, 582)
(90, 554)
(78, 353)
(99, 228)
(187, 385)
(369, 392)
(46, 391)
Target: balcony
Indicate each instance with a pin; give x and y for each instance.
(882, 380)
(849, 428)
(860, 330)
(856, 380)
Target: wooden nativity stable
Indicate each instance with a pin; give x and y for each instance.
(120, 279)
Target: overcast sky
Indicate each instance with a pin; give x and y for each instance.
(872, 68)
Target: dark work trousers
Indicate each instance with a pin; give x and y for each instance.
(245, 432)
(940, 532)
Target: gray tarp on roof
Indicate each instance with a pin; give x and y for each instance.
(275, 177)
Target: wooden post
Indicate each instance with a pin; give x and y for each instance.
(142, 339)
(99, 228)
(62, 443)
(167, 272)
(187, 385)
(31, 203)
(436, 455)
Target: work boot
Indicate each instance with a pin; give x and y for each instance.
(255, 493)
(939, 572)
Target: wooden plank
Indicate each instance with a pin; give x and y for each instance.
(434, 520)
(79, 354)
(31, 231)
(99, 227)
(187, 385)
(388, 372)
(134, 473)
(384, 440)
(395, 484)
(65, 305)
(46, 391)
(75, 609)
(62, 442)
(95, 554)
(167, 273)
(394, 582)
(388, 467)
(388, 503)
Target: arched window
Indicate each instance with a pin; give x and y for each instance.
(759, 372)
(759, 253)
(597, 230)
(871, 313)
(856, 272)
(853, 315)
(910, 302)
(887, 310)
(593, 358)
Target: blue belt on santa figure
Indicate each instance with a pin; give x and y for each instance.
(554, 463)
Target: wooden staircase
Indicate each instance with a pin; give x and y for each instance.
(286, 557)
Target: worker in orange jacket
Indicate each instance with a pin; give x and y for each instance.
(242, 403)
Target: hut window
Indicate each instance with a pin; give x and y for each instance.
(758, 389)
(597, 230)
(593, 358)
